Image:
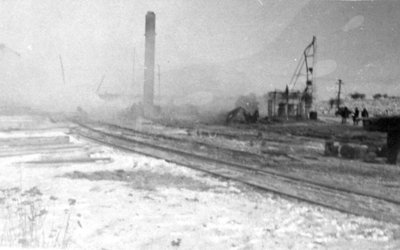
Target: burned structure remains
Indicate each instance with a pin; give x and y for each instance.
(285, 104)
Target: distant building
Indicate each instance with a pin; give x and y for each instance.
(286, 104)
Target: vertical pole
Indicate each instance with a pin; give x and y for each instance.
(99, 85)
(338, 96)
(62, 69)
(134, 66)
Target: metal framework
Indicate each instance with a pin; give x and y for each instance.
(306, 67)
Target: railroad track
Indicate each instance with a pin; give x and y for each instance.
(197, 146)
(299, 132)
(244, 167)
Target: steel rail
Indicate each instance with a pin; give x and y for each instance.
(353, 202)
(256, 167)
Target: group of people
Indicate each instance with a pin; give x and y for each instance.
(345, 113)
(356, 114)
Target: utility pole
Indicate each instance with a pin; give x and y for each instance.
(100, 83)
(62, 68)
(134, 65)
(338, 95)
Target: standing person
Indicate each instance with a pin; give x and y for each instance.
(355, 116)
(344, 113)
(347, 114)
(364, 113)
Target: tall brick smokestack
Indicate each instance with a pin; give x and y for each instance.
(149, 57)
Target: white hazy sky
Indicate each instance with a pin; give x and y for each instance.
(263, 37)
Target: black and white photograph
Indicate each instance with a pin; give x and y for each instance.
(200, 124)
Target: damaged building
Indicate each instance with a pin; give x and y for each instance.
(286, 104)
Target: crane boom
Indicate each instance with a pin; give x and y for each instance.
(305, 67)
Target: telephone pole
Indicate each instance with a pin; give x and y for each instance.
(62, 69)
(338, 95)
(133, 69)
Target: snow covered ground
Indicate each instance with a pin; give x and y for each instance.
(137, 202)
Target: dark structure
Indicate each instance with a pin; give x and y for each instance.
(306, 67)
(247, 115)
(285, 104)
(390, 125)
(344, 112)
(356, 115)
(309, 61)
(149, 58)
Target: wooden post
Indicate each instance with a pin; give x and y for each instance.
(338, 96)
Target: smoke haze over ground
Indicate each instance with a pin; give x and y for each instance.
(206, 49)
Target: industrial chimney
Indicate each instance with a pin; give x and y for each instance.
(149, 57)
